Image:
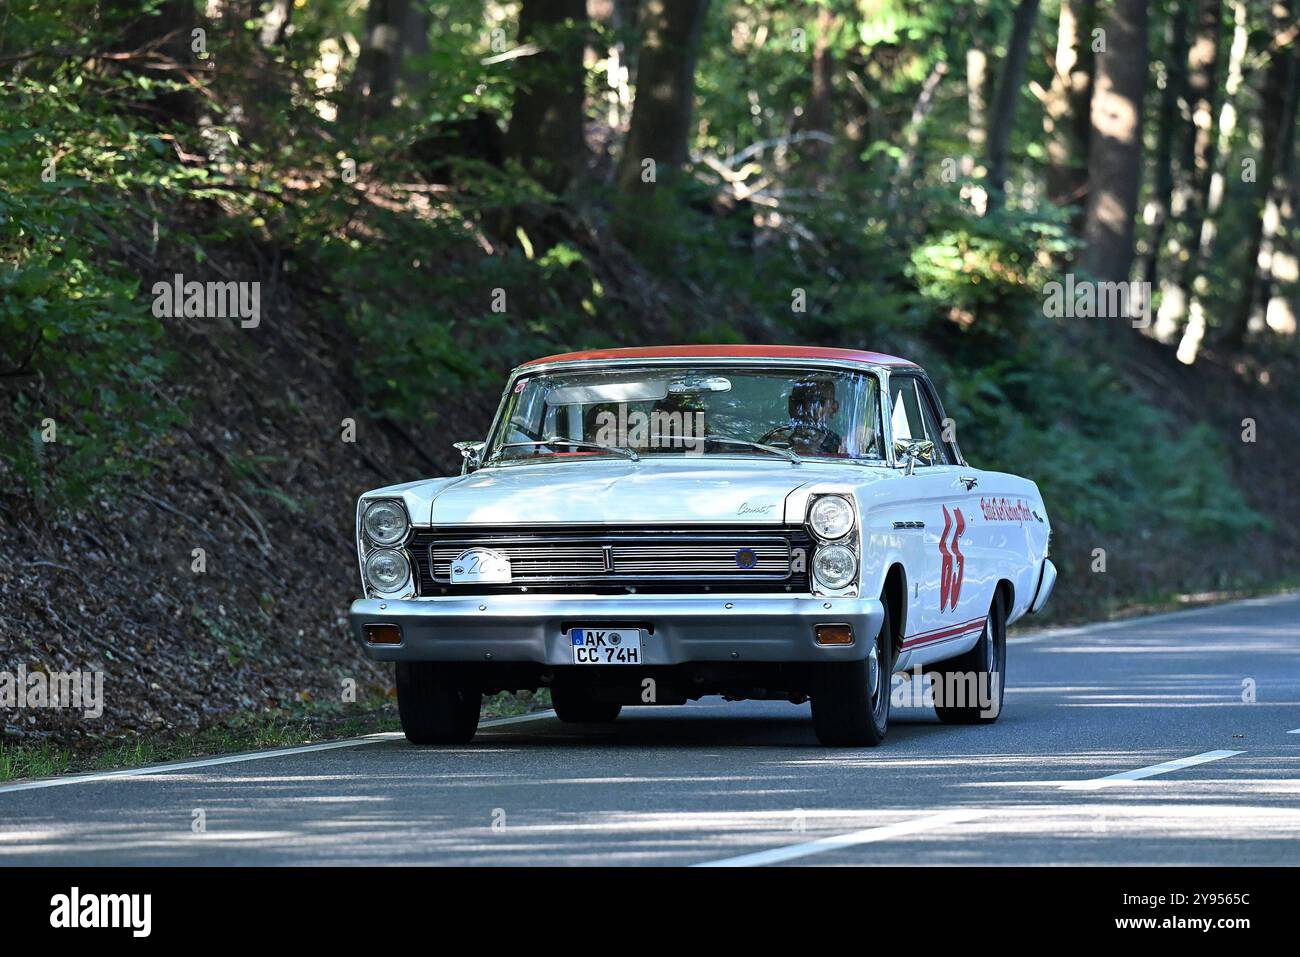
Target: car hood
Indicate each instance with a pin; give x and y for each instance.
(634, 493)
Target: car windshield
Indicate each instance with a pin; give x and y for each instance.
(790, 413)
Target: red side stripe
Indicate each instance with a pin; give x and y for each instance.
(949, 627)
(956, 631)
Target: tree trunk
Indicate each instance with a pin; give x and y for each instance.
(1192, 177)
(912, 132)
(1277, 118)
(1066, 118)
(820, 113)
(659, 137)
(275, 23)
(614, 16)
(375, 80)
(415, 47)
(977, 65)
(1115, 152)
(1165, 160)
(1281, 225)
(546, 121)
(163, 39)
(1008, 93)
(1190, 343)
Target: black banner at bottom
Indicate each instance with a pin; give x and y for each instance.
(931, 905)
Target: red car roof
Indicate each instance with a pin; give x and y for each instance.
(728, 352)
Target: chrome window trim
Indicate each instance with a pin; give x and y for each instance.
(583, 365)
(887, 408)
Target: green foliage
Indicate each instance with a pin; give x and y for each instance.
(1103, 458)
(439, 291)
(78, 342)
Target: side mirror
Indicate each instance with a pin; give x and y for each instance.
(472, 453)
(910, 451)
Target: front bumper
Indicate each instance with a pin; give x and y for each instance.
(679, 628)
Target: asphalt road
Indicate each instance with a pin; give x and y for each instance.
(746, 783)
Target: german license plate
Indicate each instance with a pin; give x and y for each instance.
(606, 646)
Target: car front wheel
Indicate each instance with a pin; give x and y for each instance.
(850, 708)
(435, 709)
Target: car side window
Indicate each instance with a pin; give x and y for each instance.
(913, 419)
(943, 452)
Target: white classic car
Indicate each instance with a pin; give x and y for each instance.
(647, 526)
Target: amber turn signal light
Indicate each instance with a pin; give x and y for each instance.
(834, 634)
(383, 635)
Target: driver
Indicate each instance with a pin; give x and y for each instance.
(813, 404)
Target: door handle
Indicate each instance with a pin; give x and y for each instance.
(969, 481)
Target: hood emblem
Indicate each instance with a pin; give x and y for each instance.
(747, 509)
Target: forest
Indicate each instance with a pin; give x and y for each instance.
(1079, 215)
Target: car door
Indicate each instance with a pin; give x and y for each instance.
(942, 615)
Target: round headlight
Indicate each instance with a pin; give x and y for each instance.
(835, 566)
(387, 569)
(385, 523)
(831, 517)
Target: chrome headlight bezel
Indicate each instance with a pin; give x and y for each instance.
(378, 553)
(847, 514)
(841, 552)
(374, 508)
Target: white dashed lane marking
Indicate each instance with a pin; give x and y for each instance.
(1138, 774)
(838, 842)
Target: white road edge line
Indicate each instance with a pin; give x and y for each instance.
(1138, 773)
(1035, 635)
(871, 835)
(96, 776)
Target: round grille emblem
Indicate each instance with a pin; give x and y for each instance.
(747, 559)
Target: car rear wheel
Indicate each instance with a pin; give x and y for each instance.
(978, 677)
(850, 708)
(434, 709)
(577, 705)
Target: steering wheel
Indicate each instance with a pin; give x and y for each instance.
(783, 436)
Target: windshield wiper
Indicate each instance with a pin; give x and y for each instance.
(784, 453)
(732, 440)
(577, 443)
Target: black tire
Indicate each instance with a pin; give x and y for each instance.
(577, 706)
(434, 709)
(987, 661)
(845, 711)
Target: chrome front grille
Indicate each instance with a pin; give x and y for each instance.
(765, 558)
(771, 558)
(527, 560)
